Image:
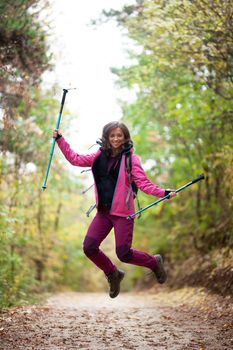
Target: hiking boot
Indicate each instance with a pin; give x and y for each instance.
(159, 271)
(114, 280)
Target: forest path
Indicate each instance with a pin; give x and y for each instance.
(168, 320)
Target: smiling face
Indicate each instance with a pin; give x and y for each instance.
(116, 138)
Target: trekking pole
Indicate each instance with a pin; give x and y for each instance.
(54, 138)
(200, 177)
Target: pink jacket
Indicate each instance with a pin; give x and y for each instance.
(119, 207)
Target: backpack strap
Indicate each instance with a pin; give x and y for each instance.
(128, 166)
(133, 187)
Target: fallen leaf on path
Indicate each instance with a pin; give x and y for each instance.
(227, 325)
(167, 317)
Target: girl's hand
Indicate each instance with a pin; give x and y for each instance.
(56, 133)
(172, 192)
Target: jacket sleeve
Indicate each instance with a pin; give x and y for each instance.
(73, 157)
(142, 181)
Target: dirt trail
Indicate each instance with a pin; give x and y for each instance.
(165, 320)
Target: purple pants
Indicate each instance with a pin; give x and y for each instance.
(123, 229)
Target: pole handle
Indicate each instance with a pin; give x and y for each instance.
(64, 96)
(199, 178)
(61, 108)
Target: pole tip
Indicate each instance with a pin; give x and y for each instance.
(43, 188)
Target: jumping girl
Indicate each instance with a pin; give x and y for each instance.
(115, 201)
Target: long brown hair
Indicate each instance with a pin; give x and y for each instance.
(107, 130)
